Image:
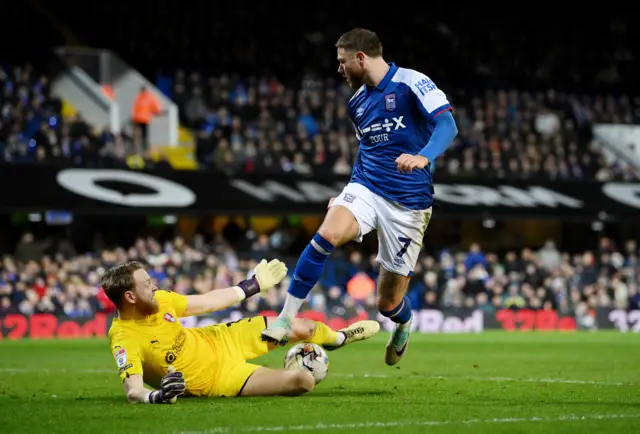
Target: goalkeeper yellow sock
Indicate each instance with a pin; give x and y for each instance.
(324, 335)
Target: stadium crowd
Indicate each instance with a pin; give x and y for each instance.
(275, 104)
(33, 129)
(258, 125)
(44, 277)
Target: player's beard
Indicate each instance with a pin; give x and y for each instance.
(355, 79)
(149, 307)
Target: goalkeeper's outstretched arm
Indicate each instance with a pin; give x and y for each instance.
(267, 275)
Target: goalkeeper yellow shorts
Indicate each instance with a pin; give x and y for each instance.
(234, 344)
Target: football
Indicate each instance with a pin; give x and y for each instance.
(308, 356)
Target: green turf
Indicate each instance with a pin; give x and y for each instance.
(491, 382)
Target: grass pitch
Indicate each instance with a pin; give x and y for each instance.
(482, 383)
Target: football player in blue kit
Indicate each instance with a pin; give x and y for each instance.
(403, 122)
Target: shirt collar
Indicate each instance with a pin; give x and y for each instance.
(387, 78)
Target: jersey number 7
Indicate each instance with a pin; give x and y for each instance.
(405, 245)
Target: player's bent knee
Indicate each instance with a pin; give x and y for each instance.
(333, 235)
(339, 226)
(302, 329)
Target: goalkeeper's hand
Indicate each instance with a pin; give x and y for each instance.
(267, 275)
(172, 385)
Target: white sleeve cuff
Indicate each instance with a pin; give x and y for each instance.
(240, 293)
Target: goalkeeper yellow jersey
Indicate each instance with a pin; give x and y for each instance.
(148, 346)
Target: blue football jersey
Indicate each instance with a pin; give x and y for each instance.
(396, 117)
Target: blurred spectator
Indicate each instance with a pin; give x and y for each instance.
(145, 107)
(549, 256)
(547, 123)
(29, 250)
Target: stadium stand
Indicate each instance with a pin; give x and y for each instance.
(260, 107)
(453, 48)
(34, 129)
(258, 125)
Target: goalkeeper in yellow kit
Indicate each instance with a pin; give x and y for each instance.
(151, 346)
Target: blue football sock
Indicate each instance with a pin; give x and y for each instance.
(401, 313)
(307, 273)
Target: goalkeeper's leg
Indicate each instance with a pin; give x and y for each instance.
(339, 227)
(293, 382)
(306, 330)
(280, 382)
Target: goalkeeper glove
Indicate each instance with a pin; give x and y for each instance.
(172, 385)
(267, 275)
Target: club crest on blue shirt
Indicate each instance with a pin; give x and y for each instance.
(390, 101)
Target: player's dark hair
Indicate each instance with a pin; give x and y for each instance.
(118, 280)
(361, 40)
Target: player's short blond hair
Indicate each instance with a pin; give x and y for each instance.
(118, 280)
(363, 40)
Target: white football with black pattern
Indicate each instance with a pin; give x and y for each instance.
(310, 357)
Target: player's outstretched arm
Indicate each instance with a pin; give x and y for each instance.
(267, 275)
(172, 385)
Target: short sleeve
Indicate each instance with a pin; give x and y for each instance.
(177, 301)
(128, 358)
(431, 100)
